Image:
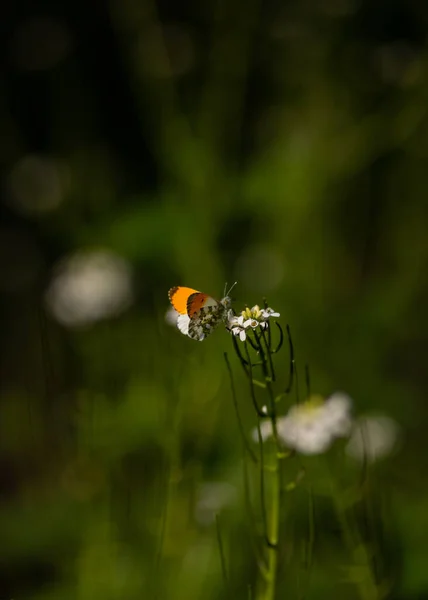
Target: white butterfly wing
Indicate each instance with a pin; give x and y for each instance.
(183, 324)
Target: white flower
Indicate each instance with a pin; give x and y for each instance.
(171, 316)
(251, 323)
(338, 413)
(236, 326)
(269, 312)
(311, 427)
(265, 429)
(250, 318)
(373, 437)
(90, 286)
(252, 313)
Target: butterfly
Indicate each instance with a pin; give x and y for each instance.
(199, 314)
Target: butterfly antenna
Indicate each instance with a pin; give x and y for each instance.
(228, 293)
(225, 288)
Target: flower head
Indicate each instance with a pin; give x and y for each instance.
(250, 318)
(311, 427)
(252, 313)
(373, 437)
(90, 286)
(236, 327)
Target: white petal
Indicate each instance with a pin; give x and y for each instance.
(313, 443)
(269, 312)
(251, 323)
(337, 414)
(242, 335)
(306, 428)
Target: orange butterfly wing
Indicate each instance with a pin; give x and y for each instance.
(197, 301)
(178, 296)
(188, 301)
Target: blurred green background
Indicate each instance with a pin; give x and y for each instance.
(145, 145)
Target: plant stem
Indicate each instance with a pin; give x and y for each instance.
(273, 527)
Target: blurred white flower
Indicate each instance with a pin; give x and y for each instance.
(171, 316)
(212, 497)
(265, 428)
(311, 427)
(373, 437)
(250, 318)
(90, 286)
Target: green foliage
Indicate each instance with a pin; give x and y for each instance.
(284, 147)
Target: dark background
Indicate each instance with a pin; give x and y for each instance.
(280, 144)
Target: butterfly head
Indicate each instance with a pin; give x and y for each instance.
(226, 302)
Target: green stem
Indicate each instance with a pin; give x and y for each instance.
(273, 530)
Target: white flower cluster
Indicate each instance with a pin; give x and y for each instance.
(373, 437)
(250, 318)
(311, 427)
(89, 286)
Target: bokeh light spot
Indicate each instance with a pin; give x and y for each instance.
(88, 287)
(36, 185)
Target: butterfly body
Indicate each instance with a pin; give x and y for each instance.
(199, 314)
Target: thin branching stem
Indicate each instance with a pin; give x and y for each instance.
(221, 552)
(238, 416)
(269, 353)
(244, 363)
(281, 338)
(269, 333)
(296, 376)
(252, 344)
(259, 412)
(261, 563)
(268, 380)
(291, 373)
(262, 489)
(309, 549)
